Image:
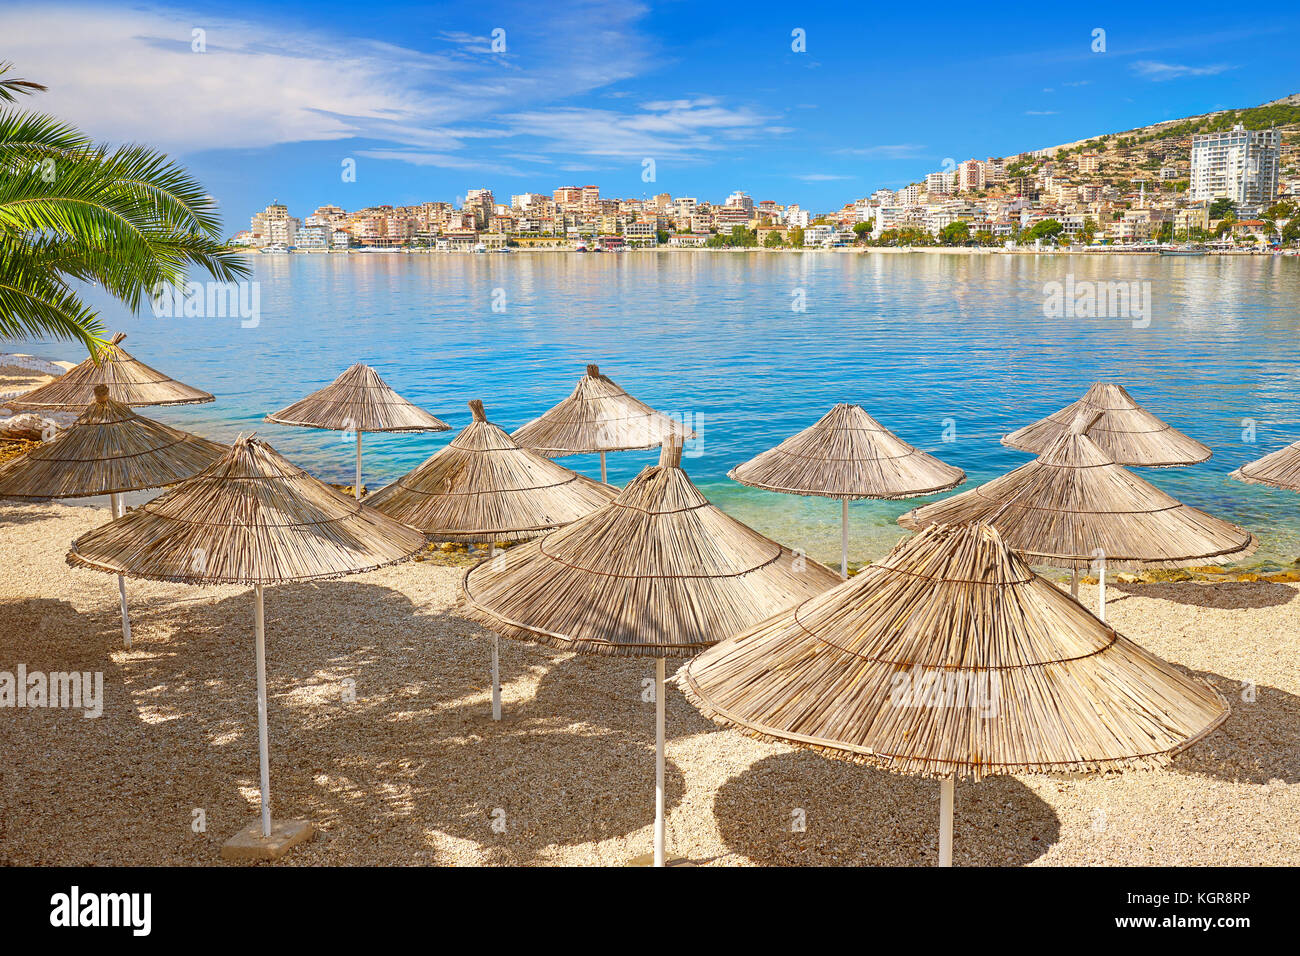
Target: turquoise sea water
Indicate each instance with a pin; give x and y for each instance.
(922, 341)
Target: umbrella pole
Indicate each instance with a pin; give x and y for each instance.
(118, 508)
(602, 468)
(1074, 583)
(496, 663)
(356, 485)
(844, 538)
(1101, 588)
(659, 761)
(263, 754)
(946, 788)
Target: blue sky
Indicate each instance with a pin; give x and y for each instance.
(585, 92)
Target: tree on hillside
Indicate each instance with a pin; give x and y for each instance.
(126, 219)
(1047, 229)
(1221, 207)
(773, 240)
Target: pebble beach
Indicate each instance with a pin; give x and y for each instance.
(380, 735)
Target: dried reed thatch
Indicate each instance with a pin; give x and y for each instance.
(657, 572)
(360, 401)
(107, 450)
(484, 487)
(848, 454)
(129, 381)
(1073, 504)
(598, 417)
(1125, 431)
(1281, 469)
(250, 518)
(950, 657)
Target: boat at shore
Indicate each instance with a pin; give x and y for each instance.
(1187, 250)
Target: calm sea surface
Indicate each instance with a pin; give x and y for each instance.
(921, 341)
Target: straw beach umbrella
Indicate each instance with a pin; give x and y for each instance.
(1124, 430)
(484, 487)
(598, 417)
(1281, 469)
(108, 450)
(847, 455)
(947, 658)
(658, 572)
(129, 381)
(1073, 505)
(251, 518)
(358, 401)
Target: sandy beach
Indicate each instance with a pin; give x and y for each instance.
(413, 770)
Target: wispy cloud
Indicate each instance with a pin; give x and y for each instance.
(682, 129)
(1159, 71)
(1041, 112)
(894, 151)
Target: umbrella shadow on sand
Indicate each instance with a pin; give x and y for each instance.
(858, 816)
(1258, 743)
(1242, 594)
(380, 735)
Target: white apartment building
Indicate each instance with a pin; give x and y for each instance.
(796, 217)
(274, 225)
(1239, 164)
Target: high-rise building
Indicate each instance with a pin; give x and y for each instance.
(1238, 164)
(274, 224)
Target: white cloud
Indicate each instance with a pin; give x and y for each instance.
(1041, 112)
(130, 75)
(1158, 71)
(674, 129)
(894, 151)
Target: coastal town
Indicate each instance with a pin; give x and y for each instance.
(1233, 186)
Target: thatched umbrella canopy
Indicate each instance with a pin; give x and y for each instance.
(598, 417)
(108, 450)
(948, 658)
(846, 455)
(483, 486)
(250, 518)
(358, 401)
(1124, 430)
(1073, 506)
(658, 572)
(1281, 469)
(129, 381)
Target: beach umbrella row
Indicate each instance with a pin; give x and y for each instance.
(658, 571)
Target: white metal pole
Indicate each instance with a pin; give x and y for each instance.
(602, 469)
(263, 753)
(946, 788)
(117, 508)
(1101, 582)
(496, 660)
(356, 486)
(659, 761)
(844, 538)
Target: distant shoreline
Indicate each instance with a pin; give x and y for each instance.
(675, 250)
